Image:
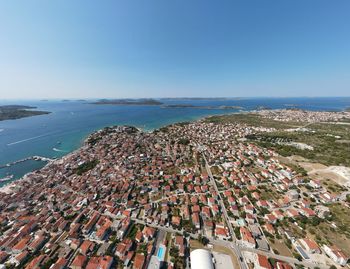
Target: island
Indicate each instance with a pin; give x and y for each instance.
(13, 112)
(148, 102)
(201, 107)
(202, 98)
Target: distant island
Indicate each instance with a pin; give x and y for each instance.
(201, 107)
(202, 98)
(151, 102)
(12, 112)
(263, 108)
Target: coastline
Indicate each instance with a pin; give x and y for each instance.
(7, 188)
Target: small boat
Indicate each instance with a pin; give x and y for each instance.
(7, 178)
(59, 142)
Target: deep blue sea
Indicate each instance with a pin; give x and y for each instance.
(64, 130)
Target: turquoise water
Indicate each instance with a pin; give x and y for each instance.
(64, 130)
(161, 253)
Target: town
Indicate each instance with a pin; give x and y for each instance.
(190, 195)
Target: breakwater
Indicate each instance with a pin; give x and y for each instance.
(31, 158)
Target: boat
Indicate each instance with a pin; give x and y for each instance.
(7, 178)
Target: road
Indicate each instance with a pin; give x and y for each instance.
(233, 246)
(238, 249)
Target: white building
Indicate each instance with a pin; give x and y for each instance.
(336, 255)
(201, 259)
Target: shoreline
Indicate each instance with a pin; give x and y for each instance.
(7, 187)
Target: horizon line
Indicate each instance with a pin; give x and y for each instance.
(182, 97)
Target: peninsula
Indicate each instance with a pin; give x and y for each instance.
(12, 112)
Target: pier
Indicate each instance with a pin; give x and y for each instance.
(31, 158)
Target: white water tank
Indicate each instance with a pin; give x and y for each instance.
(201, 259)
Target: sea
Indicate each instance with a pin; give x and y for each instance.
(70, 122)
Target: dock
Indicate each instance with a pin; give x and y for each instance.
(31, 158)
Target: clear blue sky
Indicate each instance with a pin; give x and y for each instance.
(161, 48)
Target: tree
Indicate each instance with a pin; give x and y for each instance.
(204, 240)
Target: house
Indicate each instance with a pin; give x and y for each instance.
(250, 209)
(3, 256)
(309, 245)
(79, 262)
(104, 262)
(139, 261)
(269, 228)
(262, 203)
(21, 245)
(37, 243)
(308, 212)
(221, 233)
(148, 233)
(60, 264)
(176, 221)
(180, 244)
(270, 218)
(292, 212)
(336, 254)
(278, 214)
(196, 220)
(322, 211)
(315, 184)
(255, 230)
(86, 247)
(262, 262)
(206, 213)
(21, 257)
(247, 238)
(37, 262)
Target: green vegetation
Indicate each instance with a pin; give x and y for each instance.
(178, 261)
(87, 166)
(327, 150)
(204, 241)
(341, 217)
(253, 120)
(331, 142)
(12, 112)
(93, 140)
(184, 141)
